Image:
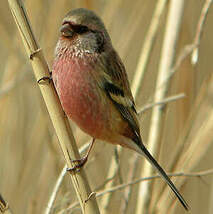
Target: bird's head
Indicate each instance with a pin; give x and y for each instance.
(82, 31)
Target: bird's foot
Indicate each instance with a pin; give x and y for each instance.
(79, 163)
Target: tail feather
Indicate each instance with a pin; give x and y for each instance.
(163, 174)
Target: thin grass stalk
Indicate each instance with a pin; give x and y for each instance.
(158, 114)
(177, 174)
(59, 182)
(55, 190)
(201, 22)
(199, 138)
(113, 169)
(190, 122)
(60, 122)
(163, 102)
(147, 46)
(125, 185)
(181, 144)
(128, 189)
(190, 159)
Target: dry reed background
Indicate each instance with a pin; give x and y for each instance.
(30, 158)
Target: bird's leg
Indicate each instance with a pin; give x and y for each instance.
(80, 162)
(45, 78)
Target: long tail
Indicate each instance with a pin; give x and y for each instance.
(163, 174)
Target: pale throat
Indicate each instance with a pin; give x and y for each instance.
(79, 47)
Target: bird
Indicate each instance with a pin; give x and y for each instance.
(93, 87)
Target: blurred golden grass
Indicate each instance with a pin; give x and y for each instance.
(30, 159)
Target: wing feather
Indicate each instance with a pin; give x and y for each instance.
(115, 83)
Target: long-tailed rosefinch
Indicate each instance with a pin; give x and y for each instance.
(93, 88)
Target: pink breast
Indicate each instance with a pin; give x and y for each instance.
(79, 95)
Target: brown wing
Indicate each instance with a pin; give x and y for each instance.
(116, 85)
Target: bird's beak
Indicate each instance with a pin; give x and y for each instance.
(66, 30)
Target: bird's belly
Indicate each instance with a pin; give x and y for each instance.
(81, 98)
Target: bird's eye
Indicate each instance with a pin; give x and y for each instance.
(80, 29)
